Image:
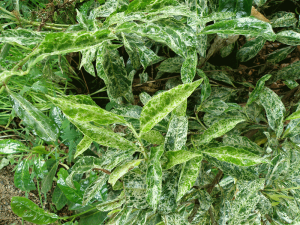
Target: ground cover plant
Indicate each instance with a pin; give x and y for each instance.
(213, 146)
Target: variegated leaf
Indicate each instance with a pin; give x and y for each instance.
(205, 88)
(83, 145)
(242, 142)
(178, 157)
(188, 69)
(22, 36)
(258, 89)
(171, 65)
(290, 72)
(288, 37)
(162, 104)
(154, 177)
(154, 137)
(112, 204)
(250, 49)
(284, 19)
(279, 54)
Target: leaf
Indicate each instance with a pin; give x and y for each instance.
(242, 26)
(171, 65)
(290, 72)
(22, 36)
(250, 49)
(162, 104)
(292, 128)
(44, 127)
(279, 54)
(178, 157)
(188, 69)
(216, 107)
(113, 157)
(113, 204)
(94, 188)
(22, 177)
(149, 5)
(188, 176)
(154, 177)
(88, 56)
(83, 145)
(93, 217)
(48, 178)
(241, 8)
(237, 156)
(288, 37)
(177, 133)
(110, 7)
(221, 76)
(154, 137)
(11, 146)
(30, 212)
(258, 89)
(275, 110)
(284, 19)
(217, 129)
(58, 198)
(206, 88)
(104, 137)
(123, 169)
(242, 142)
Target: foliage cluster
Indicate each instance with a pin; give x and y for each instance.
(190, 154)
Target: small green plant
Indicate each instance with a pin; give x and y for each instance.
(190, 155)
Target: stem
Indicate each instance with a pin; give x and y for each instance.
(38, 186)
(199, 121)
(76, 215)
(139, 140)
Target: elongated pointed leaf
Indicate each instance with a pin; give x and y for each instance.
(171, 65)
(59, 198)
(293, 116)
(241, 8)
(275, 110)
(22, 177)
(188, 69)
(113, 204)
(154, 137)
(154, 177)
(48, 178)
(258, 89)
(30, 212)
(242, 26)
(178, 157)
(288, 37)
(10, 146)
(162, 104)
(123, 169)
(279, 54)
(103, 136)
(237, 156)
(94, 188)
(34, 118)
(188, 176)
(206, 88)
(250, 49)
(22, 36)
(217, 129)
(83, 145)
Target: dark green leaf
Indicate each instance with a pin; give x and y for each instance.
(279, 54)
(48, 178)
(250, 49)
(58, 198)
(94, 188)
(258, 89)
(206, 88)
(241, 8)
(171, 65)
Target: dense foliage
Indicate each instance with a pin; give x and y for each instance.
(189, 154)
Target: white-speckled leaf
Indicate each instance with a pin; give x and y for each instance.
(283, 19)
(225, 51)
(122, 169)
(154, 137)
(216, 106)
(86, 112)
(221, 76)
(154, 177)
(83, 145)
(237, 156)
(243, 26)
(110, 7)
(113, 204)
(260, 3)
(188, 176)
(250, 49)
(205, 88)
(177, 133)
(290, 72)
(217, 129)
(188, 69)
(178, 157)
(275, 110)
(279, 54)
(171, 65)
(258, 89)
(22, 36)
(293, 127)
(242, 142)
(11, 146)
(44, 127)
(87, 58)
(288, 37)
(162, 104)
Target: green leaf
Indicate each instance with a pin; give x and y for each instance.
(293, 116)
(83, 145)
(113, 157)
(94, 188)
(206, 88)
(242, 142)
(237, 156)
(113, 204)
(242, 26)
(104, 136)
(58, 198)
(154, 177)
(290, 72)
(171, 65)
(293, 128)
(10, 146)
(87, 58)
(154, 137)
(162, 104)
(48, 178)
(178, 157)
(258, 89)
(122, 169)
(188, 176)
(30, 212)
(188, 69)
(110, 7)
(216, 107)
(177, 133)
(93, 217)
(217, 129)
(44, 127)
(250, 49)
(22, 36)
(241, 8)
(149, 5)
(275, 110)
(288, 37)
(22, 177)
(284, 19)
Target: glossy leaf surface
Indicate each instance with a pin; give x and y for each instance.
(258, 89)
(22, 177)
(188, 69)
(162, 104)
(94, 188)
(48, 178)
(11, 146)
(178, 157)
(83, 145)
(59, 198)
(288, 37)
(250, 49)
(154, 137)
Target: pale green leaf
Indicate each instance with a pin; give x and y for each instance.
(237, 156)
(112, 204)
(178, 157)
(123, 169)
(162, 104)
(154, 137)
(250, 49)
(83, 145)
(22, 36)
